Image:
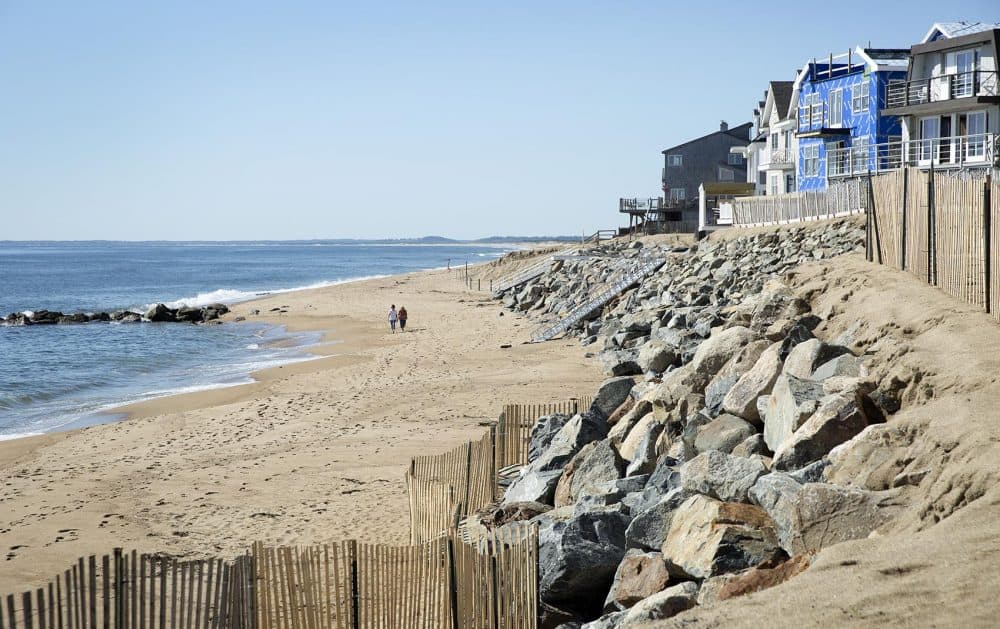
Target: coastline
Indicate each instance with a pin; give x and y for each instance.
(311, 451)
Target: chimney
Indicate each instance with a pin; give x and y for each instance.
(723, 126)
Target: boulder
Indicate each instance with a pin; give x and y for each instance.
(661, 605)
(741, 400)
(543, 432)
(612, 394)
(649, 527)
(812, 516)
(708, 537)
(580, 430)
(620, 363)
(716, 351)
(512, 512)
(159, 313)
(845, 365)
(761, 578)
(656, 356)
(644, 456)
(190, 315)
(607, 621)
(791, 403)
(595, 463)
(716, 391)
(639, 575)
(838, 418)
(578, 557)
(722, 476)
(622, 410)
(533, 486)
(752, 445)
(723, 433)
(805, 357)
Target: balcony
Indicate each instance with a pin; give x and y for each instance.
(783, 159)
(980, 150)
(942, 88)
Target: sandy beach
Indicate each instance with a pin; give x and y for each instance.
(311, 452)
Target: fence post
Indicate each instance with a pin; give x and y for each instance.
(931, 225)
(902, 242)
(352, 548)
(453, 583)
(874, 213)
(987, 225)
(868, 234)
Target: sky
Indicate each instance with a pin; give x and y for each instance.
(299, 120)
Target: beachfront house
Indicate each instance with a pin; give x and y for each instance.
(948, 102)
(840, 101)
(706, 159)
(777, 156)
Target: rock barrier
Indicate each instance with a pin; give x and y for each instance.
(159, 313)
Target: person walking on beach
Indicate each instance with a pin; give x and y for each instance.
(393, 318)
(402, 318)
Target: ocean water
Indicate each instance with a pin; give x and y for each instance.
(64, 376)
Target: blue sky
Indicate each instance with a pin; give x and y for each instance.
(216, 120)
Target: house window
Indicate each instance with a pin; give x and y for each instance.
(836, 108)
(928, 143)
(725, 174)
(964, 65)
(675, 160)
(677, 194)
(974, 128)
(735, 159)
(774, 141)
(810, 160)
(789, 183)
(836, 159)
(860, 97)
(772, 187)
(811, 111)
(859, 155)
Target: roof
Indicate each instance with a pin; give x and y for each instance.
(949, 30)
(887, 58)
(782, 91)
(741, 133)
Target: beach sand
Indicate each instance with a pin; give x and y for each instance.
(311, 452)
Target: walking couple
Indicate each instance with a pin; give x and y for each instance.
(395, 316)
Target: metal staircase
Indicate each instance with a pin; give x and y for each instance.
(531, 272)
(610, 289)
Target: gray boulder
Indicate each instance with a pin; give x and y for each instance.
(716, 351)
(644, 456)
(578, 557)
(741, 400)
(533, 486)
(611, 394)
(805, 357)
(595, 463)
(607, 621)
(661, 605)
(708, 538)
(543, 432)
(620, 363)
(723, 433)
(752, 445)
(722, 476)
(716, 391)
(656, 356)
(649, 527)
(845, 365)
(838, 418)
(580, 430)
(792, 401)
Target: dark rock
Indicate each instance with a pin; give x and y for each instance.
(722, 476)
(595, 463)
(611, 394)
(838, 418)
(723, 433)
(649, 527)
(160, 313)
(533, 486)
(543, 432)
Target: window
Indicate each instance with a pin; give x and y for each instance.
(860, 155)
(772, 187)
(774, 141)
(789, 183)
(836, 159)
(735, 159)
(965, 66)
(810, 160)
(725, 174)
(861, 97)
(675, 160)
(836, 108)
(975, 130)
(811, 111)
(928, 137)
(677, 194)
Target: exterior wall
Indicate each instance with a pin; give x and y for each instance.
(702, 159)
(865, 125)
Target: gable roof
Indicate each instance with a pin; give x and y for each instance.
(782, 91)
(741, 133)
(949, 30)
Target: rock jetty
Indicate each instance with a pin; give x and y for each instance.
(159, 313)
(703, 470)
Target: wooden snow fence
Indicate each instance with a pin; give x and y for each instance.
(132, 591)
(941, 227)
(443, 582)
(839, 199)
(444, 488)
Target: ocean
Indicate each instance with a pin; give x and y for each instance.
(66, 376)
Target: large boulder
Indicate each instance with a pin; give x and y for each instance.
(612, 394)
(630, 445)
(793, 400)
(533, 486)
(620, 363)
(741, 400)
(708, 537)
(580, 430)
(723, 433)
(578, 557)
(716, 351)
(159, 313)
(595, 463)
(661, 605)
(650, 526)
(838, 418)
(845, 365)
(644, 457)
(656, 356)
(640, 574)
(812, 516)
(543, 432)
(805, 357)
(722, 476)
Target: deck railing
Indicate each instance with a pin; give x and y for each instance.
(962, 151)
(944, 87)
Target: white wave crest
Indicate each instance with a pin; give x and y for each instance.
(232, 296)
